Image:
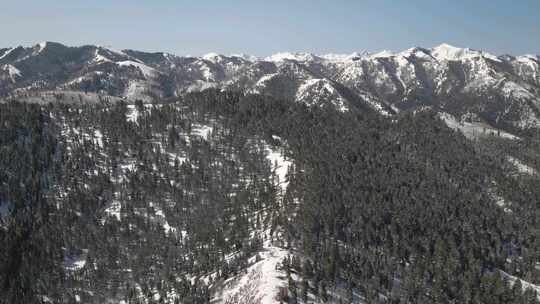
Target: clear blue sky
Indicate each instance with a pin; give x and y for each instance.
(265, 27)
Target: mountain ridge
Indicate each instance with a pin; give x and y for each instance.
(329, 56)
(502, 91)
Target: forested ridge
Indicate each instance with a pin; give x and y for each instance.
(160, 203)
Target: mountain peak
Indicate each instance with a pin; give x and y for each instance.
(40, 46)
(448, 46)
(211, 56)
(298, 56)
(344, 57)
(382, 54)
(447, 52)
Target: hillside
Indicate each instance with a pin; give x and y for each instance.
(502, 92)
(227, 197)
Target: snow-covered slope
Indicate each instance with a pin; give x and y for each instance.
(500, 91)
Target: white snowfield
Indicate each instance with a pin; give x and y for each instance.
(260, 282)
(451, 53)
(473, 130)
(314, 78)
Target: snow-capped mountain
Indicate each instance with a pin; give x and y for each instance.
(502, 91)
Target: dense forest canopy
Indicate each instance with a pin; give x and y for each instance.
(159, 203)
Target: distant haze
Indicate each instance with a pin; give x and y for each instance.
(264, 27)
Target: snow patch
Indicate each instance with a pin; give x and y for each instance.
(446, 52)
(146, 70)
(319, 92)
(261, 281)
(6, 53)
(98, 58)
(133, 114)
(114, 209)
(163, 220)
(76, 261)
(246, 57)
(520, 166)
(279, 165)
(524, 284)
(12, 71)
(202, 131)
(40, 47)
(382, 54)
(343, 57)
(278, 57)
(213, 57)
(473, 130)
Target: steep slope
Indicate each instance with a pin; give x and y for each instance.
(223, 197)
(502, 92)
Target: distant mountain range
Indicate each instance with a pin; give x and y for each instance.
(473, 86)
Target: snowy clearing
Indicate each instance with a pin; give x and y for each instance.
(521, 167)
(473, 130)
(261, 281)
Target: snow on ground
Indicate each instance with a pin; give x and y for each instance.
(206, 71)
(375, 104)
(524, 284)
(320, 91)
(6, 53)
(280, 165)
(200, 85)
(473, 130)
(382, 54)
(246, 57)
(75, 262)
(342, 57)
(12, 71)
(41, 46)
(98, 58)
(513, 90)
(446, 52)
(114, 209)
(521, 167)
(146, 70)
(98, 138)
(64, 96)
(261, 281)
(133, 114)
(291, 56)
(138, 89)
(213, 57)
(499, 200)
(201, 130)
(160, 217)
